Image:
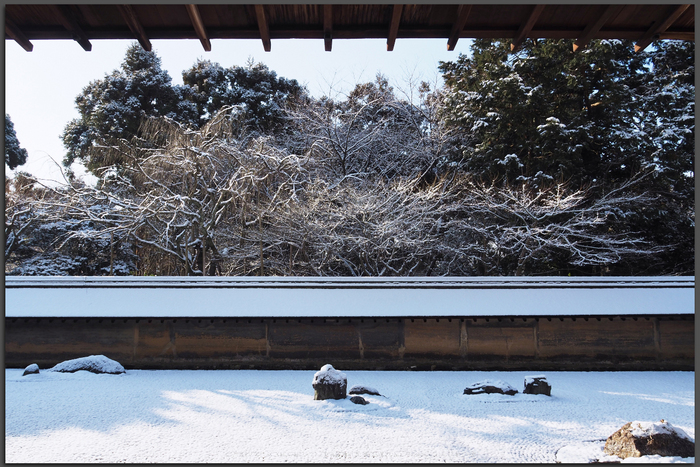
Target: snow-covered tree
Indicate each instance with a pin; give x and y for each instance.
(260, 95)
(114, 106)
(461, 226)
(570, 116)
(14, 154)
(372, 133)
(20, 195)
(667, 103)
(597, 116)
(183, 191)
(45, 235)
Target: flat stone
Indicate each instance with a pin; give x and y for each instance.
(359, 389)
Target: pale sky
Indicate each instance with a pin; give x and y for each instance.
(41, 86)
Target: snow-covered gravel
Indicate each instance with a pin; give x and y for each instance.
(193, 416)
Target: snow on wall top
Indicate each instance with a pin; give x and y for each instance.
(345, 296)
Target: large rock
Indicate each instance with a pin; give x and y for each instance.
(93, 364)
(329, 383)
(360, 389)
(491, 387)
(32, 369)
(537, 385)
(636, 439)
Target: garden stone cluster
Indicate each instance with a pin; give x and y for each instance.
(533, 385)
(491, 387)
(329, 383)
(93, 364)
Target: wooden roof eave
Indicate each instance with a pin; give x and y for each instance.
(82, 23)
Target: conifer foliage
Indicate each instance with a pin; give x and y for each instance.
(14, 154)
(546, 111)
(113, 108)
(596, 117)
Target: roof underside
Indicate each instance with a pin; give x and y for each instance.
(82, 23)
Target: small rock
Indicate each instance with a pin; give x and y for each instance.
(636, 439)
(491, 387)
(537, 385)
(93, 364)
(359, 389)
(359, 400)
(32, 369)
(329, 383)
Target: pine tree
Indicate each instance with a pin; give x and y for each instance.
(14, 154)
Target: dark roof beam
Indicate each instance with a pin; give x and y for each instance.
(199, 28)
(16, 33)
(67, 19)
(135, 26)
(526, 28)
(462, 15)
(328, 27)
(263, 27)
(394, 27)
(659, 27)
(593, 28)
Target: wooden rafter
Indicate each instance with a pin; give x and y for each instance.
(135, 26)
(462, 16)
(199, 28)
(658, 28)
(263, 27)
(526, 27)
(16, 33)
(394, 27)
(449, 22)
(593, 28)
(67, 19)
(328, 27)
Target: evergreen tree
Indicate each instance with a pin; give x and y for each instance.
(257, 91)
(14, 154)
(546, 112)
(597, 117)
(114, 106)
(667, 102)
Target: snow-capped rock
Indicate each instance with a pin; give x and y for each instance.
(360, 389)
(329, 383)
(491, 387)
(93, 364)
(636, 439)
(537, 385)
(32, 369)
